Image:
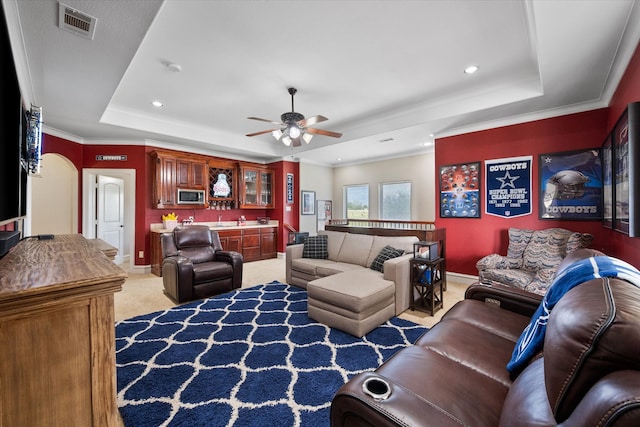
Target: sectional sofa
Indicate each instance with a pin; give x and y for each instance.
(353, 254)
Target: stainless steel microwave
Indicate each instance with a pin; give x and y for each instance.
(190, 197)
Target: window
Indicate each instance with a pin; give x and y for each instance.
(395, 201)
(356, 201)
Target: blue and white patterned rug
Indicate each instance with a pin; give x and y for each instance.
(251, 357)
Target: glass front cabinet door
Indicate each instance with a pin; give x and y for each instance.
(257, 188)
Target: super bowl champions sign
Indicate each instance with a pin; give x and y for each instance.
(508, 186)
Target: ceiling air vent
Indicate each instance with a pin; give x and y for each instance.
(76, 22)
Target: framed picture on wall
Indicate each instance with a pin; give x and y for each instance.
(606, 154)
(289, 188)
(570, 185)
(324, 213)
(626, 161)
(460, 190)
(308, 203)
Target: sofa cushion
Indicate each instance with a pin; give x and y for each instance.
(316, 247)
(515, 277)
(518, 241)
(335, 242)
(355, 249)
(546, 249)
(310, 265)
(356, 291)
(592, 330)
(399, 242)
(386, 253)
(335, 268)
(578, 241)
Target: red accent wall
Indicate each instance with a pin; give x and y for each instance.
(470, 239)
(281, 213)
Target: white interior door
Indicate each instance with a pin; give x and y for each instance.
(110, 201)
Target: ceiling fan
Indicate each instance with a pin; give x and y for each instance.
(294, 128)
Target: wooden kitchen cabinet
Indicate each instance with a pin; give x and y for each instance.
(251, 244)
(57, 334)
(173, 171)
(268, 243)
(164, 186)
(192, 174)
(155, 252)
(256, 187)
(231, 240)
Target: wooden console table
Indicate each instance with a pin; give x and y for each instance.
(57, 334)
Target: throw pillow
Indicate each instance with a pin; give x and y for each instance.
(316, 247)
(386, 253)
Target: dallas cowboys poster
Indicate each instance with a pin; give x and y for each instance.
(571, 185)
(508, 186)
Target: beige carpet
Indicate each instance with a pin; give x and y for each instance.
(143, 293)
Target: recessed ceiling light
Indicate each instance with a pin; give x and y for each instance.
(157, 104)
(470, 70)
(338, 159)
(176, 68)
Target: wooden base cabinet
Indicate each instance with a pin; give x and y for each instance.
(231, 240)
(57, 334)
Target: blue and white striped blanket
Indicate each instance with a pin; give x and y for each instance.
(532, 338)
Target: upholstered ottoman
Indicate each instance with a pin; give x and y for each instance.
(354, 301)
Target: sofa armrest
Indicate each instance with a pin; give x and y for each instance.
(505, 297)
(352, 406)
(177, 277)
(397, 270)
(236, 260)
(292, 252)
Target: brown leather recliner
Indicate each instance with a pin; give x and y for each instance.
(195, 266)
(587, 374)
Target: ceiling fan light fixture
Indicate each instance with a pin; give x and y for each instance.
(293, 127)
(294, 131)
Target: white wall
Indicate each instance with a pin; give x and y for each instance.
(319, 179)
(417, 169)
(328, 183)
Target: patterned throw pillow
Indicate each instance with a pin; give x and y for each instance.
(386, 253)
(316, 247)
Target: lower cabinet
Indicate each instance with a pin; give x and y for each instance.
(231, 240)
(57, 334)
(156, 253)
(251, 244)
(268, 243)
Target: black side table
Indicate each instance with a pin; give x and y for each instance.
(427, 282)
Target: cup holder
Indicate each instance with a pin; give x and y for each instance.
(376, 388)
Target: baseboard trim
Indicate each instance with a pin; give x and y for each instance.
(465, 279)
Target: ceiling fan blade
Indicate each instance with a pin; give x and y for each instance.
(265, 120)
(324, 132)
(261, 132)
(312, 121)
